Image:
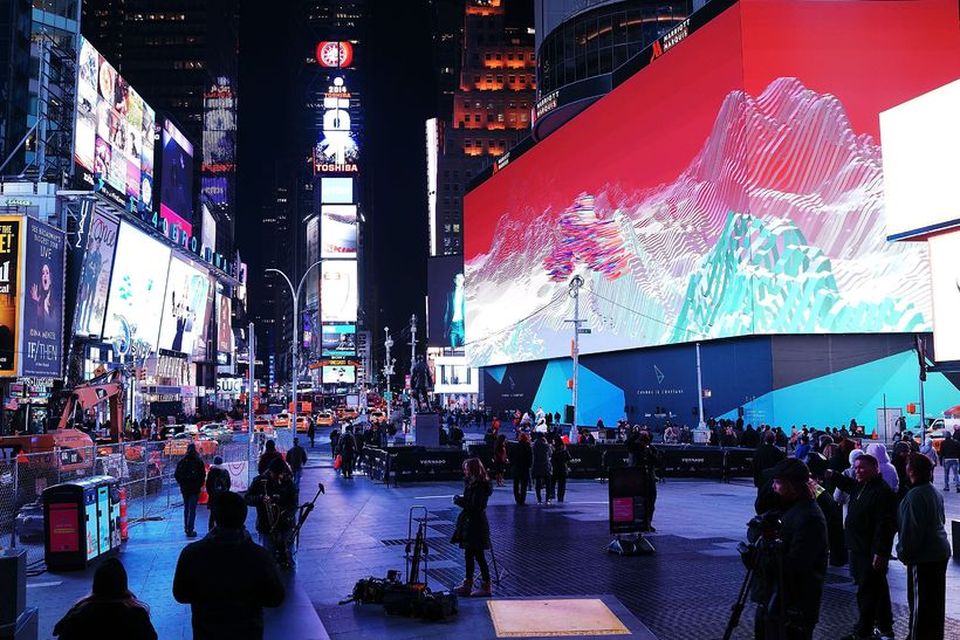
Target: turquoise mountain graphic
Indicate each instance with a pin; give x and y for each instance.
(763, 276)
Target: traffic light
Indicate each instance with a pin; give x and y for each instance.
(141, 373)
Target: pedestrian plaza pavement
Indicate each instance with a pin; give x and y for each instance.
(359, 529)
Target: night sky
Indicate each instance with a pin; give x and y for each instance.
(400, 95)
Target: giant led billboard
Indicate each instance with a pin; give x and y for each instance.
(114, 133)
(176, 178)
(733, 185)
(338, 340)
(446, 302)
(184, 307)
(338, 291)
(95, 274)
(137, 288)
(338, 231)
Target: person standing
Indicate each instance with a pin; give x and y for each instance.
(645, 456)
(767, 457)
(218, 481)
(347, 449)
(804, 554)
(312, 432)
(472, 530)
(560, 461)
(924, 549)
(870, 527)
(521, 461)
(500, 459)
(296, 458)
(227, 578)
(190, 474)
(950, 457)
(111, 611)
(269, 454)
(542, 453)
(334, 442)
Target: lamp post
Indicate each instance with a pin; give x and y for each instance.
(388, 369)
(296, 334)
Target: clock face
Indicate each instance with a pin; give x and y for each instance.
(334, 54)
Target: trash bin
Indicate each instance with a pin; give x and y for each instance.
(81, 522)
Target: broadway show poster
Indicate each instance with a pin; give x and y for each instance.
(224, 330)
(95, 275)
(9, 298)
(42, 329)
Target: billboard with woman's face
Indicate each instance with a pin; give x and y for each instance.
(10, 228)
(42, 329)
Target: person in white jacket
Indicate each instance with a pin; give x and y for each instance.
(889, 473)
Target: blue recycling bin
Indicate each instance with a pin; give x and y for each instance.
(81, 522)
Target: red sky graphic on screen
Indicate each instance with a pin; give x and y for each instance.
(733, 186)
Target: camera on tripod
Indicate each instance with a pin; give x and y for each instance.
(763, 536)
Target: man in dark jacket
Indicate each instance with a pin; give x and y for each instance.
(542, 467)
(870, 527)
(227, 578)
(275, 497)
(521, 459)
(269, 455)
(190, 474)
(646, 457)
(218, 482)
(804, 555)
(767, 457)
(950, 457)
(750, 438)
(296, 458)
(347, 450)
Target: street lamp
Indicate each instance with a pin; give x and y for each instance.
(388, 368)
(296, 334)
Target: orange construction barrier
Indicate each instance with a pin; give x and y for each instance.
(124, 533)
(873, 436)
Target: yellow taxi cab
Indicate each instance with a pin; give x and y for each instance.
(282, 420)
(177, 445)
(377, 416)
(325, 419)
(347, 413)
(263, 425)
(303, 424)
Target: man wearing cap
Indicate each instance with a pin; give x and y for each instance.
(870, 527)
(804, 554)
(227, 578)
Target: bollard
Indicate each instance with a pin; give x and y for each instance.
(123, 515)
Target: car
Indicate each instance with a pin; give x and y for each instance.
(262, 425)
(377, 416)
(29, 522)
(177, 445)
(303, 424)
(170, 430)
(347, 413)
(325, 419)
(282, 420)
(238, 425)
(218, 431)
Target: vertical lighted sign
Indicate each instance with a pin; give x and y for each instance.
(10, 227)
(336, 152)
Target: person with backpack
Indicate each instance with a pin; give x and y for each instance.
(218, 482)
(347, 449)
(190, 474)
(296, 458)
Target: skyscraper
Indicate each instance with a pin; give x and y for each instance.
(490, 109)
(182, 55)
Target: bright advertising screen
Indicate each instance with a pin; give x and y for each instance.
(446, 306)
(945, 274)
(731, 186)
(338, 231)
(42, 328)
(338, 340)
(338, 374)
(338, 291)
(11, 227)
(184, 307)
(114, 133)
(95, 274)
(176, 178)
(137, 288)
(336, 190)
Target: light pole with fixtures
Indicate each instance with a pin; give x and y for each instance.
(296, 334)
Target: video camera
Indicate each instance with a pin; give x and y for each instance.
(763, 534)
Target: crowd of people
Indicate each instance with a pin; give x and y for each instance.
(884, 500)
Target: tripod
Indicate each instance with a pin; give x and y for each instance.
(754, 555)
(303, 512)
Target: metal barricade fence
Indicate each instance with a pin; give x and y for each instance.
(145, 471)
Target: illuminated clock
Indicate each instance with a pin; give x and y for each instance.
(334, 54)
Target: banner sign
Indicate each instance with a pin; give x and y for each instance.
(42, 328)
(9, 292)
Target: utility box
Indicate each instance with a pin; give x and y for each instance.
(81, 522)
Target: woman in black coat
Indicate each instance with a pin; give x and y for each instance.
(560, 461)
(111, 611)
(472, 531)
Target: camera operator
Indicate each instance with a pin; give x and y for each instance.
(645, 456)
(275, 496)
(793, 613)
(871, 524)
